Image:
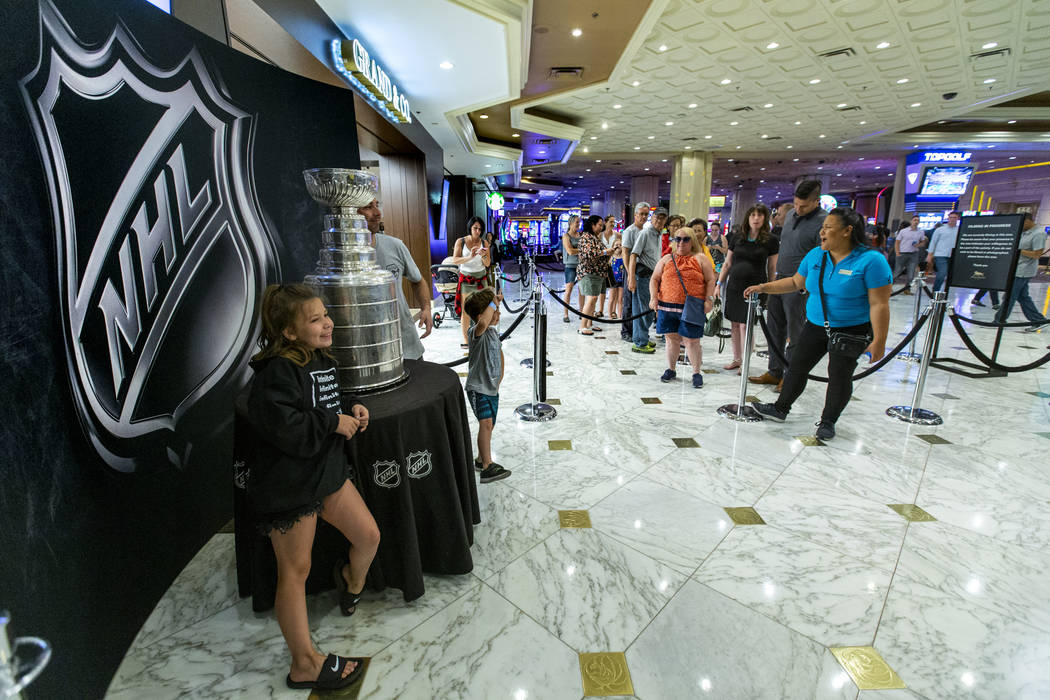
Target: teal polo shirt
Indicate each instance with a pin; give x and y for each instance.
(846, 285)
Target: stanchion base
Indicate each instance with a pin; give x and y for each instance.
(909, 357)
(744, 414)
(527, 362)
(920, 416)
(535, 412)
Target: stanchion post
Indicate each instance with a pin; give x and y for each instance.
(740, 411)
(537, 293)
(536, 410)
(917, 285)
(912, 413)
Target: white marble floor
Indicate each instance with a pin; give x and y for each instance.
(958, 607)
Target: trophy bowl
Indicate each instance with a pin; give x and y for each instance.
(341, 187)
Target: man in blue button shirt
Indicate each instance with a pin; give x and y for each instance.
(941, 246)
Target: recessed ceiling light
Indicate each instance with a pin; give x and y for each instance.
(821, 136)
(688, 148)
(840, 105)
(621, 182)
(605, 125)
(878, 167)
(863, 123)
(838, 174)
(518, 136)
(647, 168)
(693, 105)
(798, 123)
(730, 160)
(772, 45)
(794, 160)
(1012, 121)
(542, 152)
(599, 160)
(577, 32)
(733, 123)
(663, 47)
(446, 65)
(664, 160)
(725, 81)
(792, 147)
(588, 170)
(814, 81)
(593, 138)
(650, 137)
(1013, 157)
(838, 146)
(708, 136)
(882, 45)
(483, 116)
(765, 136)
(820, 167)
(487, 165)
(989, 81)
(916, 104)
(761, 168)
(668, 182)
(586, 150)
(761, 180)
(767, 105)
(738, 148)
(635, 83)
(637, 148)
(668, 123)
(902, 81)
(990, 45)
(860, 159)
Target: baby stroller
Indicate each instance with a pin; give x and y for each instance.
(446, 279)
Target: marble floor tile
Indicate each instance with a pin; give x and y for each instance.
(568, 480)
(892, 694)
(479, 647)
(668, 525)
(755, 442)
(877, 477)
(631, 440)
(705, 645)
(1006, 579)
(207, 585)
(943, 647)
(589, 590)
(713, 477)
(831, 598)
(511, 523)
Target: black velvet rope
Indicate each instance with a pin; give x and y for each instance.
(900, 291)
(991, 324)
(503, 336)
(517, 310)
(511, 279)
(860, 375)
(968, 342)
(620, 321)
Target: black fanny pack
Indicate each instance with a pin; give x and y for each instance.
(839, 343)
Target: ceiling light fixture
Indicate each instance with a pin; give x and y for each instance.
(863, 123)
(577, 32)
(990, 45)
(664, 160)
(902, 81)
(814, 81)
(487, 165)
(668, 123)
(647, 168)
(798, 123)
(637, 148)
(446, 65)
(708, 136)
(792, 147)
(483, 116)
(772, 45)
(794, 160)
(882, 45)
(725, 81)
(617, 106)
(765, 136)
(767, 105)
(593, 138)
(586, 150)
(840, 105)
(916, 104)
(821, 136)
(650, 137)
(605, 125)
(518, 136)
(989, 81)
(599, 160)
(663, 47)
(693, 105)
(635, 83)
(1012, 121)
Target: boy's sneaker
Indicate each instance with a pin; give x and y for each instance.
(769, 410)
(698, 380)
(669, 375)
(825, 430)
(493, 472)
(646, 349)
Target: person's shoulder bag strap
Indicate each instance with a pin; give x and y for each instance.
(823, 299)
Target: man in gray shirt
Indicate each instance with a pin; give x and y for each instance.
(393, 255)
(785, 313)
(1030, 248)
(627, 239)
(645, 253)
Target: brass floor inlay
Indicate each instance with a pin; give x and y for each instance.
(559, 444)
(744, 516)
(709, 371)
(554, 402)
(750, 398)
(574, 518)
(550, 373)
(685, 442)
(867, 668)
(651, 399)
(605, 674)
(934, 439)
(912, 512)
(350, 692)
(810, 441)
(599, 337)
(612, 352)
(627, 371)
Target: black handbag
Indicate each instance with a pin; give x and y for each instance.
(693, 310)
(839, 343)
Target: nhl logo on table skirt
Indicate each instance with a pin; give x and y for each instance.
(162, 254)
(387, 474)
(419, 464)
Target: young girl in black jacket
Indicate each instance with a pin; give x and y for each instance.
(301, 471)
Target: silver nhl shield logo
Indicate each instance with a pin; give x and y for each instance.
(387, 474)
(420, 464)
(162, 254)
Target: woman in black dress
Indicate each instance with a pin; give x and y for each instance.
(752, 259)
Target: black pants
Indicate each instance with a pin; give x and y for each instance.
(807, 351)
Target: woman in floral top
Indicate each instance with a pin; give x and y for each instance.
(590, 271)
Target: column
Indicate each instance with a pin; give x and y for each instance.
(598, 207)
(691, 184)
(743, 198)
(613, 204)
(645, 188)
(896, 210)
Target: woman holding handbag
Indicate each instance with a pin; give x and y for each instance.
(847, 313)
(681, 292)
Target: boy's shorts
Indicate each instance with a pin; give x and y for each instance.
(483, 405)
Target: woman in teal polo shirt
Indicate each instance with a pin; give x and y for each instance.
(856, 291)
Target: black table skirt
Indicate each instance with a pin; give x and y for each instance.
(414, 467)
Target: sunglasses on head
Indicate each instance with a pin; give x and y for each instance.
(683, 239)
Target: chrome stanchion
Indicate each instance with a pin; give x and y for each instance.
(914, 414)
(537, 291)
(916, 289)
(740, 411)
(537, 410)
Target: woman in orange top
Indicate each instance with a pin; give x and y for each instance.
(667, 294)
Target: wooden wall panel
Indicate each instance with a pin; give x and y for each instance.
(403, 184)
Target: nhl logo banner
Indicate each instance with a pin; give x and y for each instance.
(158, 235)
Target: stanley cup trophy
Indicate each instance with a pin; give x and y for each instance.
(361, 296)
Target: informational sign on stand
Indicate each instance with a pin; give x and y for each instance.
(985, 254)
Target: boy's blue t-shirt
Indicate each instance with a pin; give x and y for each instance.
(846, 285)
(484, 363)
